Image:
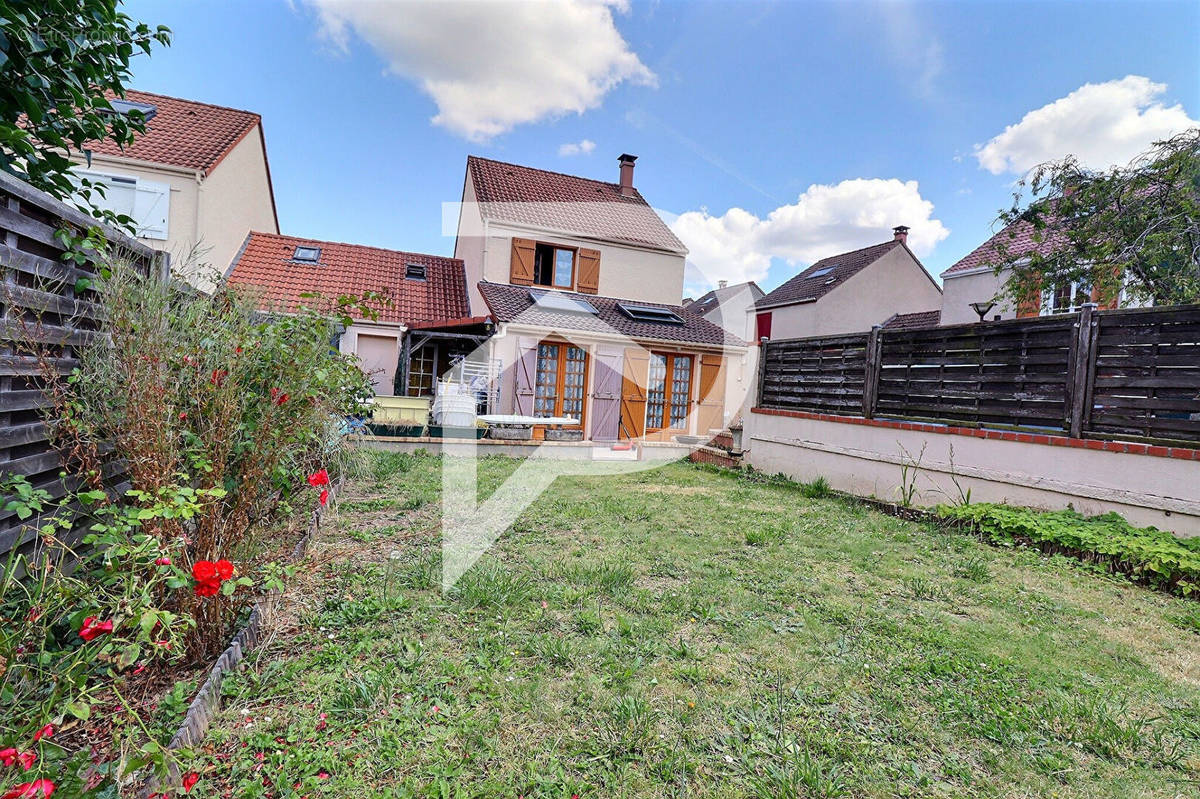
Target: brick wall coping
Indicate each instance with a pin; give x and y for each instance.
(1130, 447)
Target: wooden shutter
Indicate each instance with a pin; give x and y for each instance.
(588, 281)
(710, 397)
(525, 374)
(606, 394)
(635, 377)
(520, 270)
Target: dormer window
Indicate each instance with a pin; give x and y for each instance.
(414, 272)
(308, 255)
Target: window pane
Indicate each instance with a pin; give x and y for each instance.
(573, 387)
(545, 393)
(681, 383)
(564, 263)
(656, 392)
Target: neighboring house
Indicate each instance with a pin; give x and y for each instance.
(918, 320)
(974, 280)
(727, 306)
(849, 293)
(195, 183)
(422, 291)
(584, 282)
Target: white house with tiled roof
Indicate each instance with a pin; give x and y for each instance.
(974, 280)
(849, 292)
(584, 282)
(195, 183)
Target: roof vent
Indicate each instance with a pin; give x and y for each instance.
(309, 255)
(414, 272)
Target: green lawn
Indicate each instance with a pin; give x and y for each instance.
(683, 632)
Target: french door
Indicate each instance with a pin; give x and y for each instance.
(560, 388)
(669, 392)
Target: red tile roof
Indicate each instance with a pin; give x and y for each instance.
(352, 269)
(510, 303)
(914, 321)
(183, 133)
(568, 204)
(1017, 239)
(815, 282)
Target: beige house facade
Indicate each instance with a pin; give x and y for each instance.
(195, 184)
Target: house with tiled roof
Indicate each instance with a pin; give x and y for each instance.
(849, 292)
(584, 283)
(418, 292)
(973, 280)
(729, 306)
(195, 183)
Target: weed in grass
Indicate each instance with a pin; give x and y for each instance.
(553, 649)
(924, 588)
(1188, 619)
(816, 489)
(765, 535)
(798, 775)
(491, 584)
(975, 569)
(609, 578)
(588, 622)
(629, 727)
(386, 465)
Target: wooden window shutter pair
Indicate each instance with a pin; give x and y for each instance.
(587, 266)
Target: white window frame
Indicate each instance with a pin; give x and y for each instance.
(1048, 308)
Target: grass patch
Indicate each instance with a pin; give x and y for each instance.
(685, 632)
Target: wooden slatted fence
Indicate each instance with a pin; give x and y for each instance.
(42, 300)
(1099, 374)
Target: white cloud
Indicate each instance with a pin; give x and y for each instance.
(581, 147)
(491, 65)
(1101, 124)
(825, 220)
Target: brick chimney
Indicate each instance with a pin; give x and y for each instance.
(900, 233)
(626, 161)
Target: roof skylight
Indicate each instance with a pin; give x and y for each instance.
(650, 313)
(307, 254)
(822, 272)
(123, 107)
(554, 301)
(414, 272)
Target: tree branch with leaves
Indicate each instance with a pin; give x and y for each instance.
(1131, 232)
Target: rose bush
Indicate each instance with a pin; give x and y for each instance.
(215, 412)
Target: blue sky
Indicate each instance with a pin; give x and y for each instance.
(779, 132)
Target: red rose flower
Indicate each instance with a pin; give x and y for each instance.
(224, 569)
(320, 478)
(26, 759)
(44, 732)
(8, 756)
(208, 588)
(39, 789)
(324, 496)
(204, 571)
(190, 779)
(93, 627)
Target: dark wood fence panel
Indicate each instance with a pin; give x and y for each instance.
(1099, 374)
(818, 374)
(1008, 373)
(1147, 374)
(46, 314)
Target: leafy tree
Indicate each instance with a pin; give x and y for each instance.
(60, 61)
(1134, 228)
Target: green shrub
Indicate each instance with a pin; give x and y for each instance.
(1146, 553)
